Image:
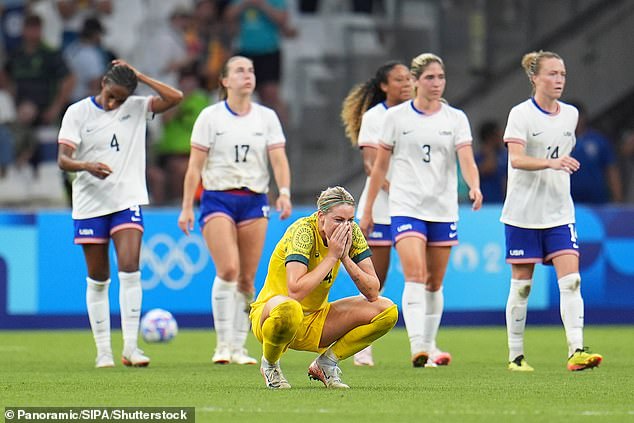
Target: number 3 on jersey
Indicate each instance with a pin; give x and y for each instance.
(426, 153)
(114, 143)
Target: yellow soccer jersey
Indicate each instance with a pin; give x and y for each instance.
(302, 242)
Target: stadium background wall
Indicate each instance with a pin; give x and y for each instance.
(42, 274)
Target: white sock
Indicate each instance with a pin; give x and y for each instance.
(434, 304)
(516, 307)
(328, 358)
(130, 297)
(241, 322)
(414, 314)
(223, 307)
(266, 364)
(99, 313)
(571, 309)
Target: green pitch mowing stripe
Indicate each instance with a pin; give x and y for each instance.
(55, 368)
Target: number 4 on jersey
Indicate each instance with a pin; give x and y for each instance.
(114, 143)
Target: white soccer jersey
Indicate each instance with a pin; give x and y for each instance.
(424, 181)
(116, 138)
(369, 135)
(237, 146)
(540, 199)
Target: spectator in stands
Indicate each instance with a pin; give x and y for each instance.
(21, 128)
(232, 144)
(260, 26)
(492, 162)
(62, 20)
(362, 113)
(102, 138)
(172, 148)
(125, 23)
(538, 212)
(213, 42)
(87, 59)
(597, 181)
(423, 140)
(165, 53)
(11, 26)
(292, 309)
(38, 74)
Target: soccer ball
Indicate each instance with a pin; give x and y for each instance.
(158, 325)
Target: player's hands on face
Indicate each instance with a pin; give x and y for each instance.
(346, 249)
(337, 240)
(98, 169)
(186, 221)
(566, 163)
(475, 195)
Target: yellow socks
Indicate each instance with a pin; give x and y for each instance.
(280, 328)
(362, 336)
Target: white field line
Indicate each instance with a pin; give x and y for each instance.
(12, 348)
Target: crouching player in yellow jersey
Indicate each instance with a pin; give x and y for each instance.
(292, 309)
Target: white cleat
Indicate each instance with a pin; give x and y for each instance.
(241, 356)
(274, 378)
(135, 359)
(329, 375)
(364, 357)
(222, 355)
(104, 361)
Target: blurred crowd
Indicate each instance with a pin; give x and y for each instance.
(54, 52)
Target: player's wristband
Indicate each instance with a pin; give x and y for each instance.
(285, 191)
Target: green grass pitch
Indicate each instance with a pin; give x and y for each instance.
(55, 368)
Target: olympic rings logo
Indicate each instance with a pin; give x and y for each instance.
(176, 256)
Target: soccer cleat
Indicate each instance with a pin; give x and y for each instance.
(222, 355)
(104, 360)
(135, 359)
(582, 359)
(519, 364)
(274, 378)
(439, 358)
(420, 359)
(364, 357)
(329, 375)
(241, 356)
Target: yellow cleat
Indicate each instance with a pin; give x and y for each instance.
(582, 359)
(520, 365)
